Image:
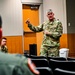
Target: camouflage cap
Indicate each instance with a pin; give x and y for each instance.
(49, 11)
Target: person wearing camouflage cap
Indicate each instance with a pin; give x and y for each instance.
(52, 30)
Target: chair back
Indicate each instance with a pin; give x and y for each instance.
(67, 65)
(41, 62)
(57, 58)
(45, 70)
(59, 71)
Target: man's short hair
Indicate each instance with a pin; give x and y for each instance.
(4, 38)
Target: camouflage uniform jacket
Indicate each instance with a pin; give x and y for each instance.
(4, 49)
(55, 28)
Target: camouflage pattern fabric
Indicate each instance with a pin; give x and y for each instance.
(48, 51)
(4, 49)
(51, 41)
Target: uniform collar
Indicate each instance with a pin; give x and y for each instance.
(51, 22)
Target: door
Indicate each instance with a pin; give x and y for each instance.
(31, 37)
(70, 4)
(70, 9)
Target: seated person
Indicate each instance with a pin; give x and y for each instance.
(3, 46)
(16, 64)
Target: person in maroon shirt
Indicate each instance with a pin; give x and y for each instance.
(0, 27)
(0, 33)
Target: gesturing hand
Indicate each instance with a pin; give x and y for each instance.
(27, 21)
(46, 32)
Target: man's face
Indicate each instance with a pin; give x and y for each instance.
(3, 42)
(50, 15)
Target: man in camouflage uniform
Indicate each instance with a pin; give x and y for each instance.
(3, 46)
(52, 30)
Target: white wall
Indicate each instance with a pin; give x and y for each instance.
(36, 2)
(11, 12)
(59, 8)
(31, 1)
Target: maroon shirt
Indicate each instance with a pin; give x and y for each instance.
(0, 32)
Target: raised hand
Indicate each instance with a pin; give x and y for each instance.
(27, 21)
